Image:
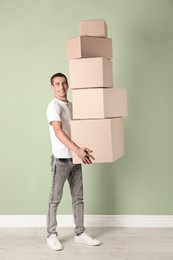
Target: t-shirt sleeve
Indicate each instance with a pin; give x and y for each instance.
(53, 113)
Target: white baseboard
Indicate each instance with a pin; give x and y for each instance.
(165, 221)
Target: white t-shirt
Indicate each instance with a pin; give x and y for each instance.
(58, 110)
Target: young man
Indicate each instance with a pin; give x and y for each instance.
(59, 114)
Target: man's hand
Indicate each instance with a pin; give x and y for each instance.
(84, 154)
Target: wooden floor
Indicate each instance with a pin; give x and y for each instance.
(117, 244)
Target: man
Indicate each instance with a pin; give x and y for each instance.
(59, 113)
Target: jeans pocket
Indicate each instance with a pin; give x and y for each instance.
(51, 162)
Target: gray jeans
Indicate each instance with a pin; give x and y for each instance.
(63, 170)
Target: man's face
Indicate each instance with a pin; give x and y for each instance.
(60, 88)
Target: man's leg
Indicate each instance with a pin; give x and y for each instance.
(59, 175)
(76, 187)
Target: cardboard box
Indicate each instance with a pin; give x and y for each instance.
(105, 137)
(88, 47)
(99, 103)
(90, 73)
(93, 28)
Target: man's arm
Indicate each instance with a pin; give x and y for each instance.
(83, 153)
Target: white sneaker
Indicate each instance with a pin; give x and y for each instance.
(54, 243)
(86, 239)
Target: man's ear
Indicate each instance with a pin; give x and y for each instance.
(51, 86)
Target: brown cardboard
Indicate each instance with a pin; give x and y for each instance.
(105, 137)
(96, 28)
(99, 103)
(86, 47)
(90, 73)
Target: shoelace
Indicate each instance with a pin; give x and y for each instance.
(87, 236)
(54, 239)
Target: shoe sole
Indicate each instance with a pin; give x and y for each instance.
(81, 242)
(59, 249)
(55, 249)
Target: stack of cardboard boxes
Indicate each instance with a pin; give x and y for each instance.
(98, 108)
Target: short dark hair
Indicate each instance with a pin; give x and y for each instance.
(59, 74)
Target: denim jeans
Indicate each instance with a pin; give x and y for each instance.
(62, 170)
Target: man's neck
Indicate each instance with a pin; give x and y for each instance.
(62, 99)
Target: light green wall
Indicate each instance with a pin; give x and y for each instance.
(32, 46)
